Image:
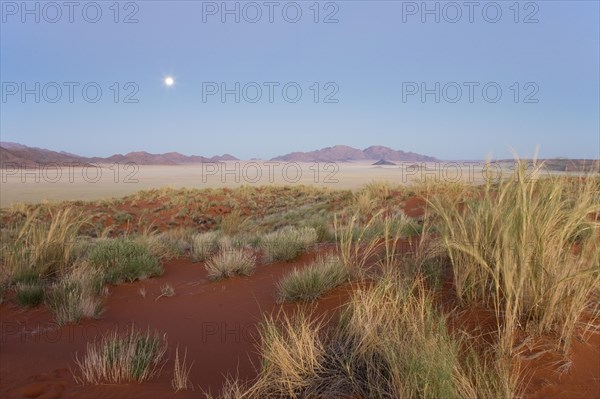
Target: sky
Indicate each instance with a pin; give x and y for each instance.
(261, 79)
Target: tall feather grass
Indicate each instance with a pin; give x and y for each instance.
(117, 358)
(529, 248)
(43, 248)
(390, 342)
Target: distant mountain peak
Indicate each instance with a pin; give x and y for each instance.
(344, 153)
(383, 162)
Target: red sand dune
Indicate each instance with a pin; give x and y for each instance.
(216, 322)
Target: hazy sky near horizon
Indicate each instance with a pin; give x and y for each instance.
(543, 56)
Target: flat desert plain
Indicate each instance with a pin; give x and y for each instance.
(110, 181)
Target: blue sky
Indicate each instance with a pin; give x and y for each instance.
(372, 56)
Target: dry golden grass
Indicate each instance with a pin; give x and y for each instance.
(43, 248)
(119, 358)
(181, 373)
(288, 242)
(390, 342)
(528, 248)
(76, 295)
(313, 281)
(204, 245)
(231, 262)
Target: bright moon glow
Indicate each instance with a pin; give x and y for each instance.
(169, 81)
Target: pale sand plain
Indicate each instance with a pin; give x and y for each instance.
(110, 181)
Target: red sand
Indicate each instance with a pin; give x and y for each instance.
(217, 323)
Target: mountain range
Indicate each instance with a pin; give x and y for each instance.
(28, 157)
(24, 156)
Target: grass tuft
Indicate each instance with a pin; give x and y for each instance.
(313, 281)
(29, 294)
(526, 247)
(135, 356)
(231, 262)
(288, 243)
(204, 245)
(124, 260)
(181, 373)
(76, 295)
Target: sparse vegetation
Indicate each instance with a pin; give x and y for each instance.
(181, 373)
(76, 295)
(124, 260)
(311, 282)
(29, 294)
(42, 248)
(287, 243)
(529, 249)
(231, 262)
(134, 356)
(391, 342)
(524, 251)
(204, 245)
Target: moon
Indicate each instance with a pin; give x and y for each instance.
(169, 81)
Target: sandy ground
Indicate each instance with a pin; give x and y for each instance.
(106, 181)
(217, 322)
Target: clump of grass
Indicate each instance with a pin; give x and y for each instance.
(233, 388)
(429, 259)
(397, 225)
(323, 227)
(204, 245)
(390, 342)
(528, 248)
(135, 356)
(181, 373)
(293, 356)
(29, 294)
(288, 243)
(124, 260)
(233, 223)
(76, 295)
(165, 246)
(397, 343)
(231, 262)
(355, 247)
(43, 248)
(313, 281)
